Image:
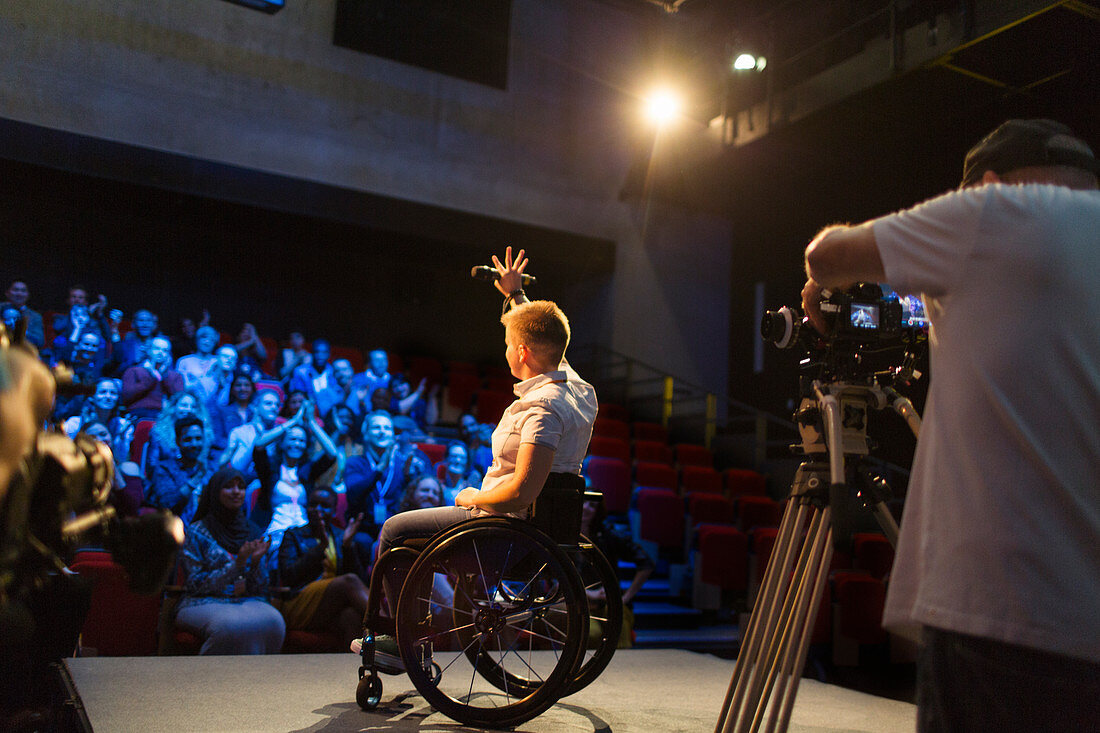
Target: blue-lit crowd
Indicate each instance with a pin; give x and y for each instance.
(283, 477)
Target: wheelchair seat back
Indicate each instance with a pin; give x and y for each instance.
(557, 510)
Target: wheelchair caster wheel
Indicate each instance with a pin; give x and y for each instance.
(369, 691)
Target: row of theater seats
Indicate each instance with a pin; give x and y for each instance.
(724, 524)
(121, 622)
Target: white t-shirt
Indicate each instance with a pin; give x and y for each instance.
(1001, 532)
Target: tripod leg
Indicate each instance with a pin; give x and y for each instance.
(763, 614)
(788, 636)
(823, 555)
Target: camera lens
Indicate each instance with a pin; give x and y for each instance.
(780, 327)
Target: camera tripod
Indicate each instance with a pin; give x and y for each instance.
(777, 639)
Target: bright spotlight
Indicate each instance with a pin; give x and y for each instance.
(663, 106)
(748, 62)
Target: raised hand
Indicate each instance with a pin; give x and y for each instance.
(511, 272)
(352, 528)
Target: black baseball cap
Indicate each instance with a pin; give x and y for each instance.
(1026, 143)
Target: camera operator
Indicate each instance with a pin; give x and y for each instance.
(999, 554)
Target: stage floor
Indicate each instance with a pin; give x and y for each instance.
(642, 691)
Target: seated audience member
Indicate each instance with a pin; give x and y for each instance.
(195, 366)
(162, 437)
(422, 492)
(375, 480)
(375, 377)
(418, 407)
(293, 404)
(321, 564)
(17, 296)
(286, 478)
(339, 391)
(478, 439)
(132, 349)
(102, 407)
(86, 362)
(250, 349)
(145, 385)
(238, 452)
(184, 340)
(342, 428)
(214, 387)
(126, 488)
(456, 473)
(238, 412)
(78, 323)
(227, 575)
(10, 315)
(178, 479)
(294, 355)
(316, 376)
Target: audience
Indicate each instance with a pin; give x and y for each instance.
(214, 386)
(238, 452)
(237, 412)
(86, 362)
(316, 376)
(322, 565)
(292, 357)
(102, 407)
(456, 473)
(145, 385)
(250, 349)
(195, 366)
(227, 575)
(422, 492)
(375, 377)
(286, 478)
(339, 391)
(162, 436)
(178, 479)
(132, 349)
(17, 296)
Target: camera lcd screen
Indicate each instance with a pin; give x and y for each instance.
(864, 315)
(912, 308)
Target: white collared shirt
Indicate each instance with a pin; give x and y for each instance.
(555, 409)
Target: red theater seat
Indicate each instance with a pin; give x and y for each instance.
(120, 623)
(610, 447)
(662, 517)
(757, 511)
(613, 411)
(435, 452)
(656, 474)
(611, 428)
(693, 455)
(649, 431)
(611, 477)
(860, 600)
(652, 451)
(745, 482)
(425, 367)
(873, 553)
(724, 557)
(491, 405)
(709, 508)
(700, 478)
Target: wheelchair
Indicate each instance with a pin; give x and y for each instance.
(493, 619)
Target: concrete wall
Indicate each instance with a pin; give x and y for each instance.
(218, 82)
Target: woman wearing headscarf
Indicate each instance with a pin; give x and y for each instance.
(226, 588)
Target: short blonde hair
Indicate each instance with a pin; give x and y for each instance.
(541, 326)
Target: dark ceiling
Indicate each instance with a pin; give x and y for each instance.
(909, 131)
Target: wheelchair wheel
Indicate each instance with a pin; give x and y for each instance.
(599, 579)
(510, 633)
(369, 691)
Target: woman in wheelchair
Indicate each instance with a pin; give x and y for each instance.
(540, 441)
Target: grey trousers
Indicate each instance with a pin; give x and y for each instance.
(249, 627)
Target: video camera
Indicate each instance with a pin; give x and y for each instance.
(54, 494)
(867, 318)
